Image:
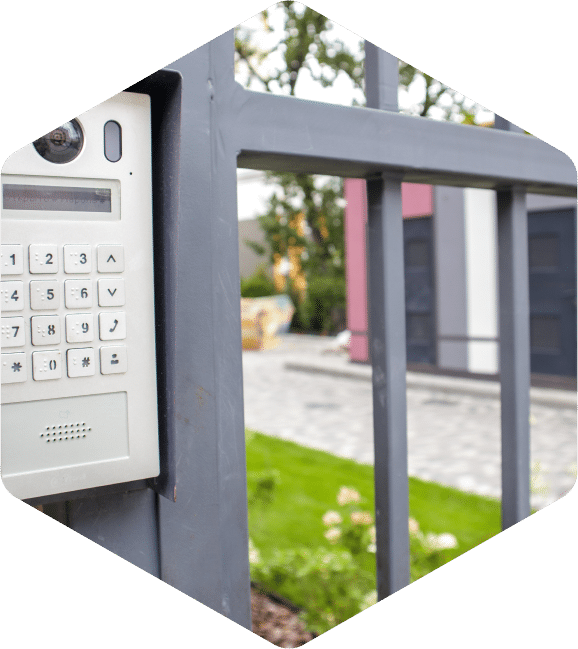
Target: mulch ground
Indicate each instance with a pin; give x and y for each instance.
(276, 622)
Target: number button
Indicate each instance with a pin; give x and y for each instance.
(11, 295)
(14, 368)
(12, 260)
(43, 258)
(45, 330)
(46, 365)
(79, 328)
(13, 332)
(77, 259)
(113, 360)
(111, 292)
(44, 295)
(78, 293)
(112, 326)
(80, 362)
(110, 259)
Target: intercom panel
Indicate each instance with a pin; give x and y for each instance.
(79, 399)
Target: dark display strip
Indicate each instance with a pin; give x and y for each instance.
(56, 199)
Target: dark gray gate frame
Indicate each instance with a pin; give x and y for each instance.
(189, 527)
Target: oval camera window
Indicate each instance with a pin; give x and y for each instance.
(112, 141)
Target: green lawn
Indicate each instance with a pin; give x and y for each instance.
(307, 483)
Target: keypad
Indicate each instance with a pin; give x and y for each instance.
(80, 307)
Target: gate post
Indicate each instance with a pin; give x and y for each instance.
(387, 346)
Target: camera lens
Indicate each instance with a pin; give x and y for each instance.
(62, 144)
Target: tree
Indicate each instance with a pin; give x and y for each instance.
(305, 213)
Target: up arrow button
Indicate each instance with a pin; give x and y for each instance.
(110, 258)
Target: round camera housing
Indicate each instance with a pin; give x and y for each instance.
(61, 145)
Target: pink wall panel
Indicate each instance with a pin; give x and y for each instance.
(417, 200)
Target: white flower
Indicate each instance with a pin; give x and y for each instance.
(372, 547)
(347, 495)
(444, 541)
(361, 518)
(413, 526)
(331, 518)
(333, 534)
(369, 600)
(254, 556)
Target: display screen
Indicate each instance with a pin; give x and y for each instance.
(56, 199)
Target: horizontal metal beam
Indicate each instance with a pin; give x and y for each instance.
(283, 133)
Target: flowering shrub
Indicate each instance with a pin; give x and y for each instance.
(331, 583)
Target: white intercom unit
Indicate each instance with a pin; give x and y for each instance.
(79, 399)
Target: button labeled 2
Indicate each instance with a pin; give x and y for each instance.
(43, 258)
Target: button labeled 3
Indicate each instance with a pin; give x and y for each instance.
(77, 259)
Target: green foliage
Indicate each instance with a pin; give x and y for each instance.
(306, 47)
(313, 540)
(257, 285)
(330, 582)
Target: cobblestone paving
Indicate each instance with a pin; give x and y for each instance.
(453, 439)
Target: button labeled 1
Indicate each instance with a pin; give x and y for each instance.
(12, 259)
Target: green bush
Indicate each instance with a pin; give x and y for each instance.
(329, 581)
(259, 284)
(323, 309)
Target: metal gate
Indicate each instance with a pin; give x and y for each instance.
(189, 528)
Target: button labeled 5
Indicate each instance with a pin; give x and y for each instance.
(44, 295)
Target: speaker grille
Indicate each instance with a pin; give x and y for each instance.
(65, 432)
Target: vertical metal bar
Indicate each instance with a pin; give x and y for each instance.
(387, 346)
(204, 532)
(514, 353)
